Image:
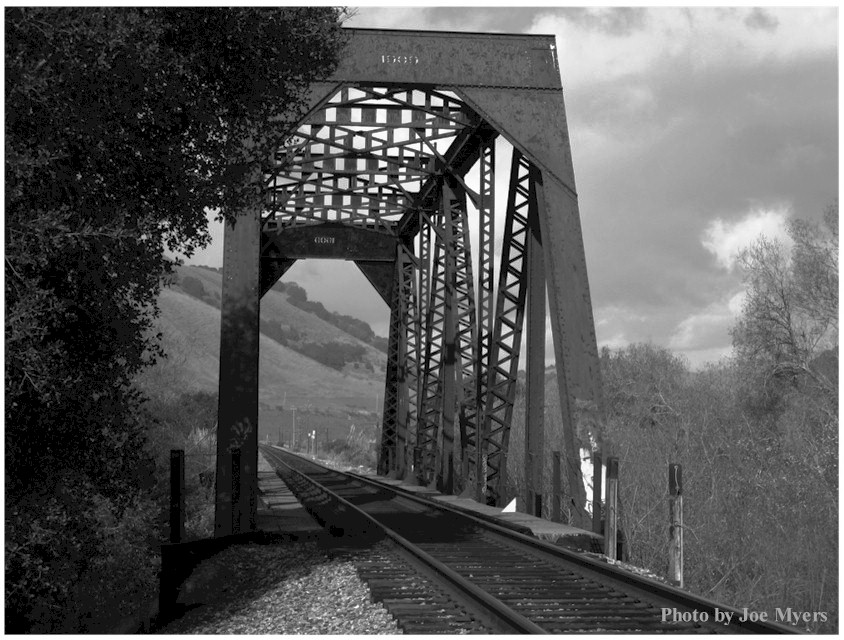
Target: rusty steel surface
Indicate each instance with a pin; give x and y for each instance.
(449, 59)
(535, 382)
(237, 415)
(379, 171)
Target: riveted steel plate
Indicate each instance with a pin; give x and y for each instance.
(447, 58)
(338, 241)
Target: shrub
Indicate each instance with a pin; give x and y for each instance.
(193, 287)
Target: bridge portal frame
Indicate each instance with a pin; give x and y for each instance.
(453, 356)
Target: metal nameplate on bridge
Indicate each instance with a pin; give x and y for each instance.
(340, 242)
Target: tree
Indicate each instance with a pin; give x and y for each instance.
(760, 488)
(790, 315)
(123, 126)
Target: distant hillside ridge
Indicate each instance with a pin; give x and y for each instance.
(335, 340)
(295, 389)
(298, 297)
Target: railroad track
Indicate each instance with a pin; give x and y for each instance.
(438, 570)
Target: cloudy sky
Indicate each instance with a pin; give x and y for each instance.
(693, 131)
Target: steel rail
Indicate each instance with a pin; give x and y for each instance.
(511, 620)
(648, 588)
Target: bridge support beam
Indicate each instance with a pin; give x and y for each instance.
(535, 386)
(448, 370)
(237, 426)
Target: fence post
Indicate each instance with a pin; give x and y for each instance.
(177, 495)
(675, 529)
(611, 535)
(236, 491)
(556, 489)
(597, 490)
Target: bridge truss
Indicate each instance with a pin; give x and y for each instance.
(392, 168)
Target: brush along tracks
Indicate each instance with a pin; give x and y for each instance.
(441, 571)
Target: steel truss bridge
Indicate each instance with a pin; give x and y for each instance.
(394, 157)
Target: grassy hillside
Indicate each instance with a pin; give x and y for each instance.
(297, 325)
(324, 399)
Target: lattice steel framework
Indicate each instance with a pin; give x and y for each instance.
(394, 167)
(398, 440)
(363, 157)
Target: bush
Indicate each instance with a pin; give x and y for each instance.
(193, 287)
(333, 354)
(76, 562)
(350, 453)
(187, 422)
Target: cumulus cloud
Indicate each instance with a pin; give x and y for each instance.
(616, 326)
(736, 303)
(705, 335)
(725, 239)
(615, 341)
(601, 44)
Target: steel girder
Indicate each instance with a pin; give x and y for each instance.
(464, 321)
(235, 502)
(432, 314)
(476, 471)
(363, 156)
(507, 330)
(398, 437)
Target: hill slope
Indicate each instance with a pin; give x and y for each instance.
(324, 398)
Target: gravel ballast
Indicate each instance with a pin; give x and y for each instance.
(291, 588)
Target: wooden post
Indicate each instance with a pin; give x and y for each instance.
(675, 529)
(597, 490)
(556, 489)
(611, 534)
(177, 495)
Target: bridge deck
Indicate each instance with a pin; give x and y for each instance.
(279, 510)
(561, 534)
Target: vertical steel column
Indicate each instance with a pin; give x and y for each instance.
(571, 451)
(486, 275)
(466, 334)
(448, 367)
(507, 331)
(430, 415)
(393, 386)
(535, 387)
(408, 357)
(238, 392)
(400, 395)
(422, 436)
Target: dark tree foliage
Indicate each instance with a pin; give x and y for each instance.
(122, 127)
(193, 287)
(333, 354)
